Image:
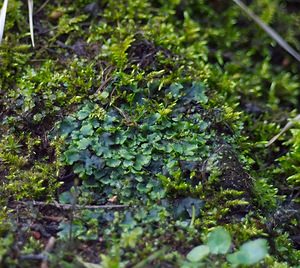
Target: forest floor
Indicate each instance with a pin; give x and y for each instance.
(134, 135)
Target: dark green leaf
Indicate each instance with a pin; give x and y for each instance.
(87, 130)
(71, 156)
(196, 93)
(83, 143)
(67, 126)
(174, 89)
(186, 205)
(113, 162)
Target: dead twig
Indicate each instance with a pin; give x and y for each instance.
(47, 250)
(106, 78)
(273, 34)
(2, 18)
(35, 257)
(53, 218)
(43, 256)
(68, 206)
(30, 12)
(286, 128)
(42, 7)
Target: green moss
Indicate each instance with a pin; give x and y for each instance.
(290, 162)
(24, 175)
(162, 105)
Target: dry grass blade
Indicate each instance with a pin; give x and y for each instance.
(2, 18)
(286, 128)
(269, 30)
(30, 11)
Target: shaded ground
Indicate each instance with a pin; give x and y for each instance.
(136, 127)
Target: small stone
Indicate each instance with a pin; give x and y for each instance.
(55, 15)
(36, 235)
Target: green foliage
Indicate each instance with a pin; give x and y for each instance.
(250, 253)
(132, 150)
(5, 245)
(20, 181)
(290, 163)
(198, 253)
(50, 89)
(219, 242)
(265, 194)
(6, 238)
(285, 249)
(115, 79)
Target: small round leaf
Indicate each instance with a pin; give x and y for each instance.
(219, 241)
(198, 253)
(250, 253)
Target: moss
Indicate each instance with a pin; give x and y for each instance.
(192, 84)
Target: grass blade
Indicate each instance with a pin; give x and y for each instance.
(286, 128)
(269, 30)
(2, 18)
(30, 11)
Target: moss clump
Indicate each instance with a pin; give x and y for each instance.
(164, 106)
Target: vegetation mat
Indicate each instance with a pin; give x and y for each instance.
(134, 134)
